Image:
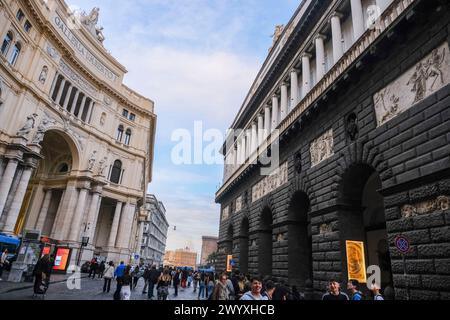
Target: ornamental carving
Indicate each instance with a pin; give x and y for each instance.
(225, 213)
(239, 204)
(425, 207)
(325, 228)
(322, 148)
(426, 77)
(270, 183)
(28, 126)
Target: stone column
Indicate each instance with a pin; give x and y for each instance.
(115, 226)
(249, 143)
(140, 235)
(254, 140)
(294, 89)
(357, 18)
(275, 114)
(284, 101)
(74, 102)
(55, 80)
(89, 112)
(336, 31)
(126, 225)
(267, 122)
(67, 98)
(65, 211)
(82, 105)
(78, 214)
(6, 182)
(239, 155)
(44, 210)
(16, 205)
(306, 73)
(60, 91)
(320, 57)
(244, 147)
(260, 129)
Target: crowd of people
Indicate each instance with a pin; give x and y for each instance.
(205, 285)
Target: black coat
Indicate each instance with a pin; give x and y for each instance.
(154, 275)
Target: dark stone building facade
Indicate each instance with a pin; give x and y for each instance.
(385, 175)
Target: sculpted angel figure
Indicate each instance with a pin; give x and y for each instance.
(29, 125)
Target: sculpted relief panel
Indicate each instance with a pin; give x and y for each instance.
(270, 183)
(426, 77)
(322, 148)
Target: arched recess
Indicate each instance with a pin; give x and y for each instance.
(362, 218)
(299, 240)
(243, 245)
(63, 138)
(265, 242)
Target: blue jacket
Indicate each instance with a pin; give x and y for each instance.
(120, 270)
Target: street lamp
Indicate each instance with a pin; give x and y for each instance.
(84, 242)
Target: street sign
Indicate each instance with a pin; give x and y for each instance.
(402, 244)
(136, 257)
(85, 241)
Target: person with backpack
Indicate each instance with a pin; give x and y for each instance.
(376, 292)
(353, 287)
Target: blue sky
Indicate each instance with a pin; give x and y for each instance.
(197, 60)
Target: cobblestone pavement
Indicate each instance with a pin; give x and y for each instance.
(92, 290)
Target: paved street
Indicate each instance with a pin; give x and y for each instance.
(91, 290)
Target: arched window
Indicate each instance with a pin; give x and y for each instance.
(116, 172)
(128, 137)
(119, 133)
(6, 42)
(15, 54)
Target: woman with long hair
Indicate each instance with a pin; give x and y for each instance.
(162, 288)
(125, 292)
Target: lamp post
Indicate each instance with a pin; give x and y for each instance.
(84, 242)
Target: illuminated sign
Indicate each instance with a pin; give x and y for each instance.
(356, 264)
(229, 264)
(61, 259)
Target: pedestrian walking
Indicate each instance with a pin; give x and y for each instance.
(376, 292)
(196, 280)
(255, 293)
(163, 284)
(221, 290)
(242, 287)
(353, 288)
(125, 291)
(153, 280)
(146, 276)
(41, 272)
(101, 269)
(108, 276)
(176, 281)
(202, 286)
(136, 274)
(3, 262)
(334, 292)
(189, 279)
(210, 286)
(93, 268)
(118, 273)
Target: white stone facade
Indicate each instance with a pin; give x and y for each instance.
(76, 145)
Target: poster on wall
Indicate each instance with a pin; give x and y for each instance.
(61, 259)
(356, 264)
(229, 265)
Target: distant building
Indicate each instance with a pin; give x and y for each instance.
(209, 245)
(180, 258)
(154, 232)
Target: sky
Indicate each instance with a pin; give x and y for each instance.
(196, 59)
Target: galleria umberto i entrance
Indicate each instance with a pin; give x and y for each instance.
(76, 145)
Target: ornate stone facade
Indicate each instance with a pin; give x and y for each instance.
(270, 183)
(64, 169)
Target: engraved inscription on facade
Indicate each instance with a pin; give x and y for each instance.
(77, 79)
(322, 148)
(270, 183)
(426, 77)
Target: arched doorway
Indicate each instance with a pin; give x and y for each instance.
(243, 246)
(46, 189)
(363, 219)
(265, 243)
(299, 241)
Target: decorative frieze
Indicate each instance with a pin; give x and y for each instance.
(76, 79)
(239, 204)
(226, 213)
(325, 228)
(425, 207)
(426, 77)
(322, 148)
(270, 183)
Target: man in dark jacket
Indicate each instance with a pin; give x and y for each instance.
(176, 281)
(146, 276)
(42, 271)
(153, 279)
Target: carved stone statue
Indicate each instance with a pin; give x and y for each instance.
(102, 119)
(99, 33)
(43, 75)
(42, 128)
(91, 20)
(352, 127)
(92, 160)
(29, 125)
(102, 166)
(278, 31)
